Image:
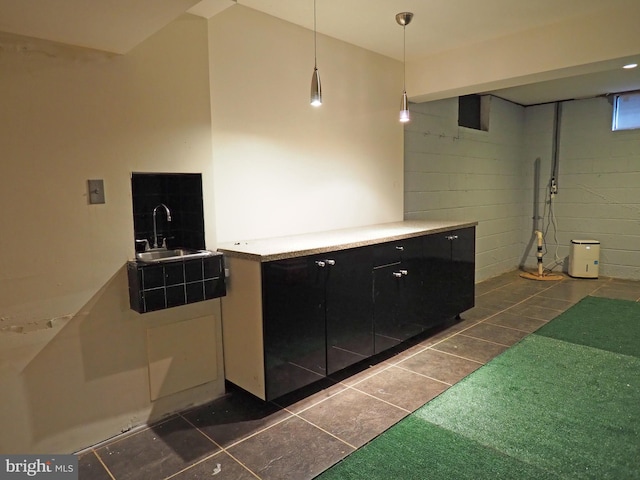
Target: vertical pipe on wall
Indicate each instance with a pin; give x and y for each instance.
(537, 219)
(555, 148)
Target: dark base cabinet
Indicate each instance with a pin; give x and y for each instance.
(317, 317)
(348, 308)
(397, 291)
(449, 278)
(319, 314)
(294, 325)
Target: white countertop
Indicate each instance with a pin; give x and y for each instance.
(279, 248)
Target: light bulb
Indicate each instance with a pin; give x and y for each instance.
(316, 89)
(404, 110)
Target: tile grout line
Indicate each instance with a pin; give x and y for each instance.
(459, 356)
(222, 450)
(251, 435)
(485, 340)
(130, 434)
(347, 387)
(506, 326)
(243, 465)
(202, 460)
(471, 326)
(528, 332)
(325, 431)
(382, 400)
(425, 376)
(291, 415)
(209, 457)
(104, 465)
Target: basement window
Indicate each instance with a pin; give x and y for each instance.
(626, 111)
(473, 112)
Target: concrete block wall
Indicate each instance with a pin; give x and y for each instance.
(493, 177)
(458, 173)
(598, 183)
(537, 161)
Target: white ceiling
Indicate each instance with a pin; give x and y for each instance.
(438, 26)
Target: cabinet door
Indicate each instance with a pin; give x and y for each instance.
(463, 253)
(398, 292)
(413, 309)
(349, 314)
(294, 324)
(449, 274)
(395, 316)
(437, 279)
(387, 288)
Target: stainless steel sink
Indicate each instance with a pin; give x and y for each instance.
(161, 255)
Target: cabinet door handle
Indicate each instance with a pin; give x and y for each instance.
(331, 262)
(400, 247)
(320, 263)
(400, 273)
(452, 237)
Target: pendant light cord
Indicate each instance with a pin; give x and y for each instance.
(315, 48)
(316, 91)
(404, 57)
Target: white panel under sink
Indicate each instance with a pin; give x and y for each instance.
(181, 355)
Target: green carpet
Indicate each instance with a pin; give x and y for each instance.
(591, 321)
(562, 403)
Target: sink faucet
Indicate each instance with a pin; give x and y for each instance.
(155, 228)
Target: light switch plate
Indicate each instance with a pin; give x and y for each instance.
(96, 191)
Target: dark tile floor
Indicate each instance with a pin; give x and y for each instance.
(240, 437)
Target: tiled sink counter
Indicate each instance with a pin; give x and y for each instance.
(156, 286)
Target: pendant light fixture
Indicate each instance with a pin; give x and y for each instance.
(403, 20)
(316, 88)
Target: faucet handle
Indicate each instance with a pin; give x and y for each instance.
(164, 240)
(146, 243)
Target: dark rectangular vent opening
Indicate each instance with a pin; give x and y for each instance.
(473, 112)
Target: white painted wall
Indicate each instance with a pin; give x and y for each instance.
(458, 173)
(227, 98)
(281, 166)
(74, 367)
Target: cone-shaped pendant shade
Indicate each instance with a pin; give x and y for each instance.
(316, 88)
(404, 109)
(404, 19)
